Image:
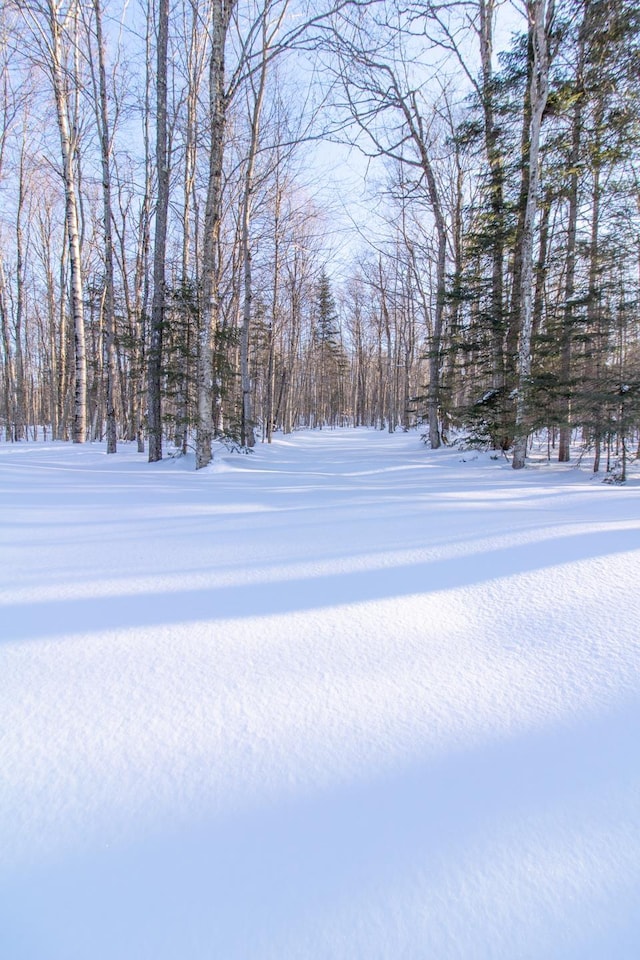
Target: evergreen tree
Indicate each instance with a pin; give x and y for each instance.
(330, 356)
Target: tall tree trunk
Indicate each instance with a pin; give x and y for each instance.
(247, 437)
(64, 344)
(564, 441)
(496, 191)
(143, 254)
(415, 124)
(68, 150)
(542, 264)
(521, 238)
(195, 67)
(154, 385)
(595, 322)
(109, 305)
(270, 413)
(57, 357)
(20, 420)
(221, 11)
(10, 398)
(540, 14)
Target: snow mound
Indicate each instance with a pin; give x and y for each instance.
(345, 698)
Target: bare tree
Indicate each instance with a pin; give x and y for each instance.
(154, 414)
(390, 111)
(101, 107)
(221, 11)
(54, 30)
(540, 13)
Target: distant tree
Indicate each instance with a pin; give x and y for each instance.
(326, 341)
(391, 109)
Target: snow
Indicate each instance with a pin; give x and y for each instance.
(343, 698)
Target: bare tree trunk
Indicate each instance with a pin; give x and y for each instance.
(564, 442)
(64, 341)
(521, 238)
(540, 16)
(496, 189)
(595, 322)
(210, 304)
(416, 128)
(10, 398)
(20, 421)
(68, 150)
(154, 385)
(56, 358)
(109, 307)
(247, 437)
(196, 61)
(141, 288)
(542, 265)
(270, 413)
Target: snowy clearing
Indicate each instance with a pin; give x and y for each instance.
(343, 698)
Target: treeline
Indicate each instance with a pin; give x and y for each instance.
(167, 273)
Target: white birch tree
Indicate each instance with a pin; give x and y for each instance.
(540, 14)
(53, 26)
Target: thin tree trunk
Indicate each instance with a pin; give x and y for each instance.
(20, 420)
(68, 151)
(195, 62)
(109, 306)
(142, 286)
(270, 415)
(540, 14)
(541, 265)
(496, 191)
(154, 385)
(564, 441)
(247, 437)
(10, 397)
(210, 304)
(64, 336)
(595, 323)
(521, 239)
(435, 347)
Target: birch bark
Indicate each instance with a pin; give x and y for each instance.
(68, 145)
(540, 14)
(102, 112)
(221, 11)
(160, 241)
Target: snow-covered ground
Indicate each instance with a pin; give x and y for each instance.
(344, 699)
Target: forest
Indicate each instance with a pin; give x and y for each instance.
(225, 218)
(372, 691)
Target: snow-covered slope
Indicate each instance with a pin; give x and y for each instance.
(344, 698)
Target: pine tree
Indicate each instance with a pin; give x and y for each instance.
(330, 358)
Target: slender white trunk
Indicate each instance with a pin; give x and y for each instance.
(68, 149)
(109, 307)
(540, 16)
(160, 241)
(247, 437)
(210, 299)
(10, 396)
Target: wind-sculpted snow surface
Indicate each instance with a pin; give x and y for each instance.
(344, 698)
